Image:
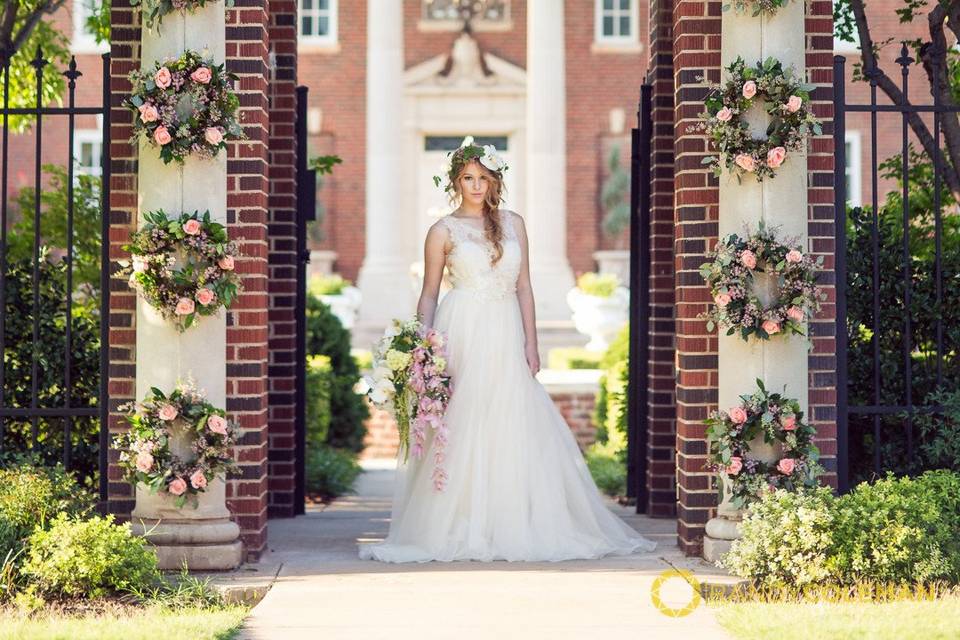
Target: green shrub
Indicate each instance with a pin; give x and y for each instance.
(326, 336)
(601, 285)
(330, 472)
(363, 358)
(607, 470)
(573, 358)
(618, 350)
(91, 558)
(327, 285)
(318, 400)
(938, 442)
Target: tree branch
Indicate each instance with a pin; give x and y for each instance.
(11, 43)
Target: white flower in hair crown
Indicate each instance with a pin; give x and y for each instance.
(487, 155)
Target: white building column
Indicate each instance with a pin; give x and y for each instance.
(545, 212)
(383, 278)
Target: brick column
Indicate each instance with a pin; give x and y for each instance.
(247, 45)
(696, 31)
(661, 399)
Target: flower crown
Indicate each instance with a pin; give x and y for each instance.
(487, 155)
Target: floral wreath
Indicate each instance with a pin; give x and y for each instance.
(205, 281)
(730, 276)
(145, 454)
(787, 103)
(780, 421)
(487, 155)
(154, 10)
(760, 7)
(185, 106)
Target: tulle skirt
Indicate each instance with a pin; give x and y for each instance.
(518, 487)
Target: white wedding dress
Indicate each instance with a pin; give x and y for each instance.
(518, 486)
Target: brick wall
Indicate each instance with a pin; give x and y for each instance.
(696, 32)
(661, 426)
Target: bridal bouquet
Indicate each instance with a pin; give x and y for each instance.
(409, 379)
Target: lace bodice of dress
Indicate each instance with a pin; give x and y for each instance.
(469, 259)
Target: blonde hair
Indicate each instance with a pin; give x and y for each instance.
(492, 229)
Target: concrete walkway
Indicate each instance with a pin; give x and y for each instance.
(323, 590)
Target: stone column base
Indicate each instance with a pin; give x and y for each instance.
(719, 536)
(205, 545)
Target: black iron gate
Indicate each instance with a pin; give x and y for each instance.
(306, 211)
(638, 366)
(53, 325)
(896, 268)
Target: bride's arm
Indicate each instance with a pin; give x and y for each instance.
(525, 296)
(434, 257)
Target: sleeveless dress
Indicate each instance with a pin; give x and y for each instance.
(518, 486)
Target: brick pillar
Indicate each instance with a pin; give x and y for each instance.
(124, 58)
(661, 399)
(696, 31)
(247, 187)
(283, 257)
(822, 359)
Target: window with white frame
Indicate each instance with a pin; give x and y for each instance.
(486, 11)
(83, 39)
(318, 21)
(88, 150)
(616, 22)
(854, 169)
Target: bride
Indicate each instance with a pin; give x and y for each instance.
(518, 487)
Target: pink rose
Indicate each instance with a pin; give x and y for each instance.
(226, 263)
(736, 464)
(168, 412)
(749, 89)
(795, 314)
(192, 227)
(161, 135)
(771, 327)
(724, 114)
(198, 480)
(213, 135)
(745, 162)
(775, 157)
(201, 75)
(184, 307)
(738, 415)
(149, 113)
(144, 461)
(162, 77)
(217, 424)
(786, 466)
(793, 104)
(205, 296)
(794, 256)
(789, 423)
(748, 259)
(722, 299)
(177, 486)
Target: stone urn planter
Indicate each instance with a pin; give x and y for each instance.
(345, 305)
(599, 316)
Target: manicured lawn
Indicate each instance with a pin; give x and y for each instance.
(902, 620)
(145, 624)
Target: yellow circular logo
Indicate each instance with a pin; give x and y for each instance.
(658, 601)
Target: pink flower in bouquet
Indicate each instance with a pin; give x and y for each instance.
(161, 135)
(168, 412)
(213, 135)
(192, 227)
(217, 424)
(198, 480)
(435, 382)
(148, 113)
(749, 89)
(786, 466)
(793, 104)
(162, 78)
(419, 354)
(776, 156)
(789, 423)
(201, 75)
(736, 464)
(722, 299)
(745, 162)
(177, 486)
(771, 326)
(144, 462)
(435, 338)
(748, 259)
(205, 296)
(737, 415)
(185, 307)
(226, 263)
(794, 256)
(724, 114)
(795, 314)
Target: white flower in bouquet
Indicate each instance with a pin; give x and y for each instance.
(378, 395)
(467, 141)
(363, 385)
(380, 372)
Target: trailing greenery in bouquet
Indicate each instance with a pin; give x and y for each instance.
(153, 11)
(185, 106)
(145, 452)
(780, 421)
(206, 279)
(409, 379)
